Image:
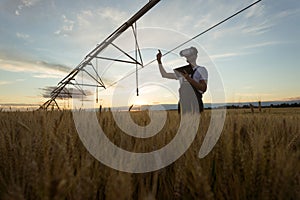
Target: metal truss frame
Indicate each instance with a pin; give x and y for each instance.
(61, 91)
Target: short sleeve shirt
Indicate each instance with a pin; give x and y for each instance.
(200, 74)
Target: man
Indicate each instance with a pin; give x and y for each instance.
(197, 79)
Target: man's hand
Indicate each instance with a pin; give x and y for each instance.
(201, 85)
(158, 57)
(185, 75)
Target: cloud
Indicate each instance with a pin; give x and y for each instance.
(262, 44)
(249, 25)
(257, 11)
(25, 4)
(22, 36)
(90, 25)
(28, 3)
(287, 13)
(226, 55)
(112, 14)
(5, 82)
(293, 99)
(253, 95)
(11, 82)
(259, 28)
(25, 38)
(74, 92)
(66, 28)
(40, 69)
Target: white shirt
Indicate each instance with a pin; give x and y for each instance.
(200, 74)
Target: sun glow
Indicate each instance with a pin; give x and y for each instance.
(138, 101)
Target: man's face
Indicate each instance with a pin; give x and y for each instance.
(191, 59)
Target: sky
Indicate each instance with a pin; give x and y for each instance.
(256, 54)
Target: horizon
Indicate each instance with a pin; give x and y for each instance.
(31, 107)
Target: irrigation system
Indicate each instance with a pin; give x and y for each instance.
(62, 89)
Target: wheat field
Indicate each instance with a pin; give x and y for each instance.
(256, 157)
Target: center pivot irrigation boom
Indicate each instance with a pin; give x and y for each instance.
(62, 91)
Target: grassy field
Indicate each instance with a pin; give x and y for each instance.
(256, 157)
